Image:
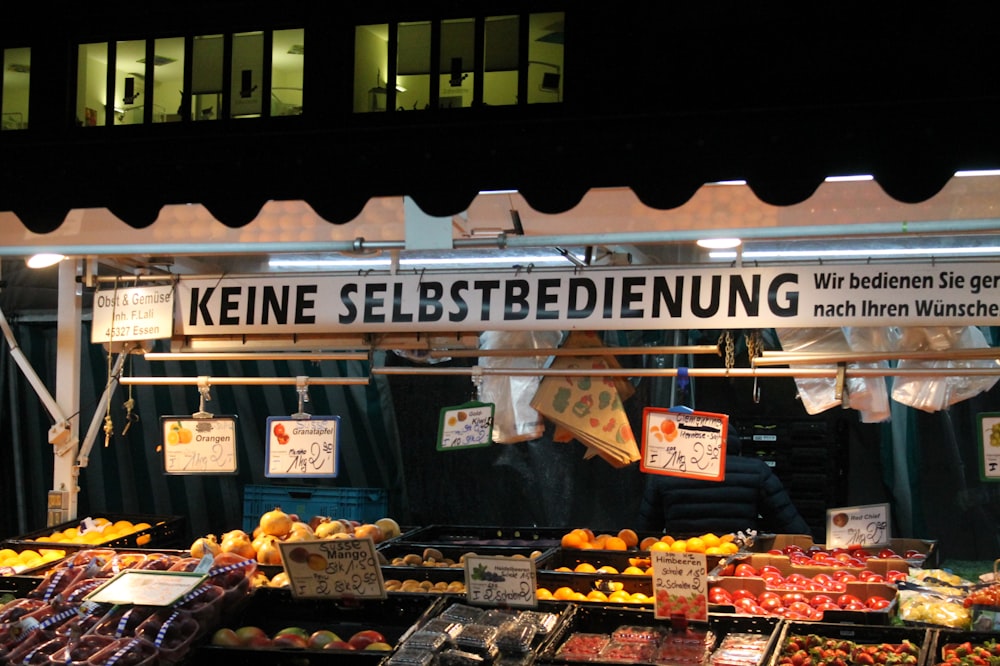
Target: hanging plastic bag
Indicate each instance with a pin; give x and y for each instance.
(935, 394)
(866, 394)
(514, 419)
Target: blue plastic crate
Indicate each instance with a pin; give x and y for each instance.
(365, 505)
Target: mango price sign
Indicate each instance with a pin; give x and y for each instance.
(500, 581)
(679, 585)
(689, 444)
(333, 568)
(298, 447)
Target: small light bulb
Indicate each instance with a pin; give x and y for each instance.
(44, 260)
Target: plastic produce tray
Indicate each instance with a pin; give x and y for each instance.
(273, 609)
(469, 535)
(862, 634)
(365, 505)
(600, 619)
(163, 532)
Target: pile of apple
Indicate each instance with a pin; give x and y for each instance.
(276, 526)
(835, 581)
(852, 556)
(250, 636)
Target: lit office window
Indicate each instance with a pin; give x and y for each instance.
(500, 60)
(287, 72)
(166, 93)
(130, 82)
(205, 98)
(456, 69)
(246, 91)
(413, 66)
(545, 57)
(371, 67)
(14, 95)
(92, 104)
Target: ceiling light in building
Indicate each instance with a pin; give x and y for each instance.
(44, 260)
(719, 243)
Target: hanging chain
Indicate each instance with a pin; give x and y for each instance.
(130, 415)
(755, 345)
(109, 426)
(729, 348)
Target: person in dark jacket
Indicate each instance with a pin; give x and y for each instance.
(750, 497)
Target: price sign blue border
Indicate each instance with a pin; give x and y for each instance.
(285, 431)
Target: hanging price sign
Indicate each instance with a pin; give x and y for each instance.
(500, 581)
(466, 426)
(199, 445)
(679, 585)
(333, 568)
(302, 447)
(864, 526)
(689, 444)
(989, 445)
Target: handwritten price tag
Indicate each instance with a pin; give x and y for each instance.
(199, 446)
(865, 526)
(989, 445)
(679, 585)
(302, 447)
(689, 444)
(500, 581)
(466, 426)
(333, 569)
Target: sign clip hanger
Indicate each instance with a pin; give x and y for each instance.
(302, 388)
(204, 395)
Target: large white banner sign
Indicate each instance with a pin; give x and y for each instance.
(629, 298)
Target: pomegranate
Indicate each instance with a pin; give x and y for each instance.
(206, 545)
(276, 522)
(268, 552)
(239, 544)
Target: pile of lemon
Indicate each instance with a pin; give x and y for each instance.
(28, 558)
(104, 531)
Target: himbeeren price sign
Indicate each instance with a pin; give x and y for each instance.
(679, 584)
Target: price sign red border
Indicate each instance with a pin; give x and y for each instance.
(678, 417)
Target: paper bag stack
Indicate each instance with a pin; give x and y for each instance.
(589, 408)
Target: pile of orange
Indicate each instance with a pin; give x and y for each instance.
(709, 543)
(584, 538)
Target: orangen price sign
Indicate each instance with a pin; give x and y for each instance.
(199, 445)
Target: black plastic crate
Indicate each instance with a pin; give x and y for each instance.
(273, 609)
(163, 532)
(600, 619)
(942, 638)
(470, 535)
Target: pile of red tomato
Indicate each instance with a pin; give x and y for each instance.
(797, 606)
(835, 581)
